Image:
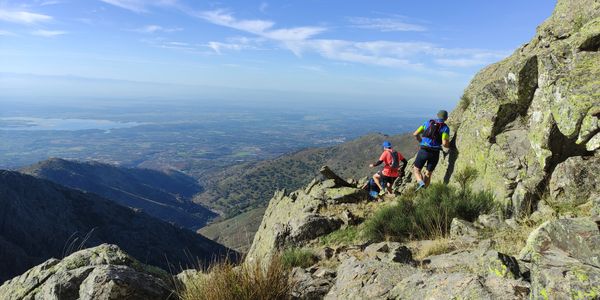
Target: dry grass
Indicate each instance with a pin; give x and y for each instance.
(251, 281)
(435, 247)
(511, 240)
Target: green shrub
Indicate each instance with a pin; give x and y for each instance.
(427, 214)
(251, 281)
(296, 257)
(465, 177)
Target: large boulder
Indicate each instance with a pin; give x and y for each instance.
(565, 259)
(575, 180)
(367, 278)
(102, 272)
(521, 117)
(295, 219)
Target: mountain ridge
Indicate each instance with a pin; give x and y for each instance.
(41, 219)
(163, 194)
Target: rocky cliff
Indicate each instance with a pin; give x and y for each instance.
(529, 124)
(40, 220)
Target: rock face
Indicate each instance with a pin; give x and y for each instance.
(575, 181)
(103, 272)
(519, 119)
(294, 219)
(40, 219)
(565, 259)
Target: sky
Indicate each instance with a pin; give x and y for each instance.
(400, 52)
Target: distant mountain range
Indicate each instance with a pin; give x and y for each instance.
(249, 188)
(163, 194)
(40, 219)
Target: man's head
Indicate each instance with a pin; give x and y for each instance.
(442, 114)
(387, 145)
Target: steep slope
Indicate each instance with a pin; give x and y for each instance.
(523, 117)
(40, 219)
(248, 186)
(165, 195)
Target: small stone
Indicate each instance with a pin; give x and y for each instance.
(460, 228)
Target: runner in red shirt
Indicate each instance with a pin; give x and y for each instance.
(394, 164)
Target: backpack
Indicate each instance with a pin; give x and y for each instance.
(433, 131)
(373, 189)
(395, 160)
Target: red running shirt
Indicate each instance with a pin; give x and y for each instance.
(387, 159)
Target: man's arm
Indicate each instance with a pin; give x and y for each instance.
(376, 164)
(446, 138)
(417, 133)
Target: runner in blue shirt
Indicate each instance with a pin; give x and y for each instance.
(431, 136)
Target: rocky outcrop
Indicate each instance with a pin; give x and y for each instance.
(522, 117)
(371, 274)
(565, 259)
(103, 272)
(294, 219)
(575, 181)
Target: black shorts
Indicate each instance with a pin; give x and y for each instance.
(429, 156)
(386, 179)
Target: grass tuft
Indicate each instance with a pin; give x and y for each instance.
(296, 257)
(436, 247)
(252, 281)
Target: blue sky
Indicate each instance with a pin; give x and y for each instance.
(401, 51)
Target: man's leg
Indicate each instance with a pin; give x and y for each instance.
(418, 166)
(431, 164)
(377, 179)
(417, 174)
(427, 177)
(390, 184)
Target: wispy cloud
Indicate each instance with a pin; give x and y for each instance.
(384, 24)
(263, 28)
(464, 58)
(156, 28)
(379, 53)
(140, 6)
(312, 68)
(236, 44)
(50, 2)
(23, 17)
(48, 33)
(416, 56)
(160, 42)
(6, 33)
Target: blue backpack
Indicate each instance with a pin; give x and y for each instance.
(373, 189)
